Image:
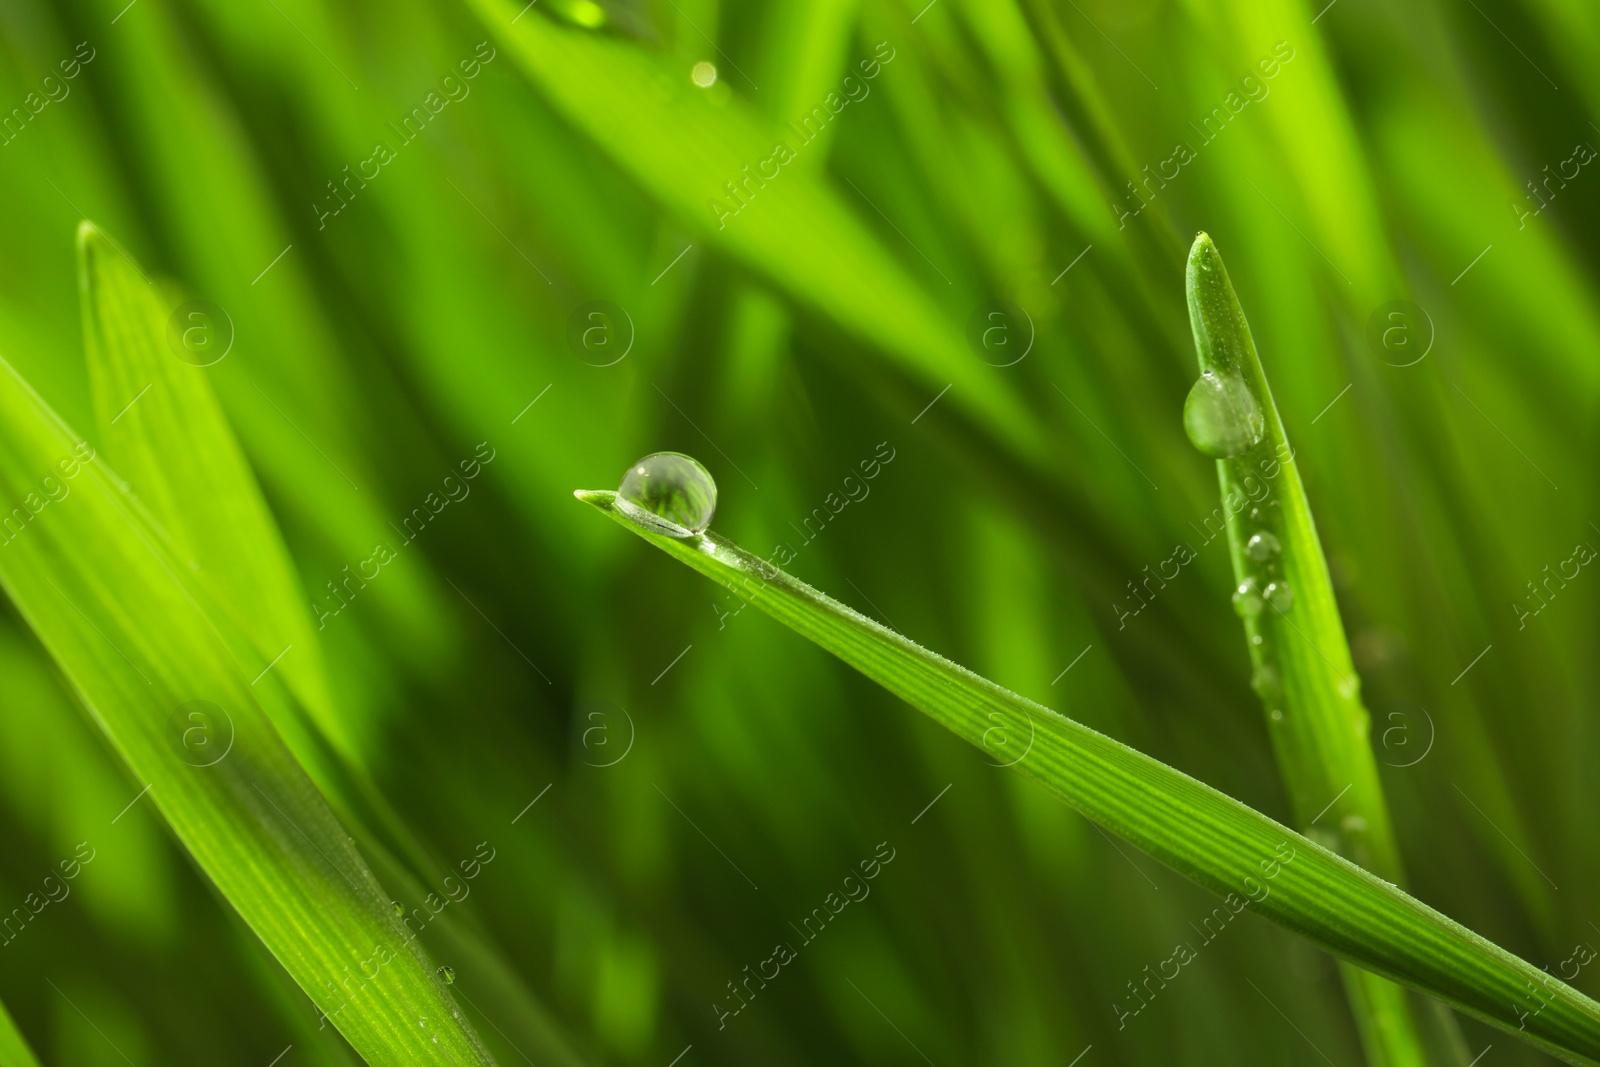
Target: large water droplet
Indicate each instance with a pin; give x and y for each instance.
(1246, 601)
(1279, 595)
(1220, 416)
(399, 908)
(1262, 547)
(671, 490)
(448, 974)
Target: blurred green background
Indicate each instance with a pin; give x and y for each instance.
(704, 780)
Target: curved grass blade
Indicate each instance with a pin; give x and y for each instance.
(186, 466)
(1301, 664)
(91, 574)
(14, 1050)
(1199, 832)
(163, 430)
(704, 162)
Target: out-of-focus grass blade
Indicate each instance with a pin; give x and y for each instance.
(1201, 833)
(1301, 661)
(14, 1050)
(692, 155)
(164, 431)
(92, 575)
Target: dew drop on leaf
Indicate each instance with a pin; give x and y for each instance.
(1266, 683)
(399, 908)
(1246, 601)
(1262, 547)
(448, 974)
(672, 489)
(1221, 417)
(1279, 595)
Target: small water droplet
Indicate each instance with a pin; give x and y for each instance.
(1262, 547)
(1264, 680)
(1277, 716)
(704, 74)
(669, 489)
(586, 13)
(399, 908)
(1221, 417)
(1247, 602)
(448, 974)
(1279, 595)
(1255, 639)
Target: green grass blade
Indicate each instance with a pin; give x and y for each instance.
(1300, 659)
(693, 156)
(14, 1050)
(163, 430)
(178, 450)
(1201, 833)
(93, 577)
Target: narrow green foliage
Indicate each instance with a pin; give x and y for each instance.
(161, 671)
(1201, 833)
(14, 1050)
(162, 428)
(191, 471)
(1300, 660)
(795, 229)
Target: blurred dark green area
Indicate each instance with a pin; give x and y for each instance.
(520, 643)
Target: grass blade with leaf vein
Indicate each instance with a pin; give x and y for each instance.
(1196, 830)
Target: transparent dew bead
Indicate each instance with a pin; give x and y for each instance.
(1277, 716)
(448, 974)
(669, 491)
(1221, 416)
(1279, 595)
(399, 908)
(1262, 547)
(1247, 603)
(1264, 680)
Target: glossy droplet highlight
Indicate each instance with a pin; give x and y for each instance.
(1247, 602)
(448, 974)
(1262, 547)
(670, 491)
(1220, 416)
(1279, 595)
